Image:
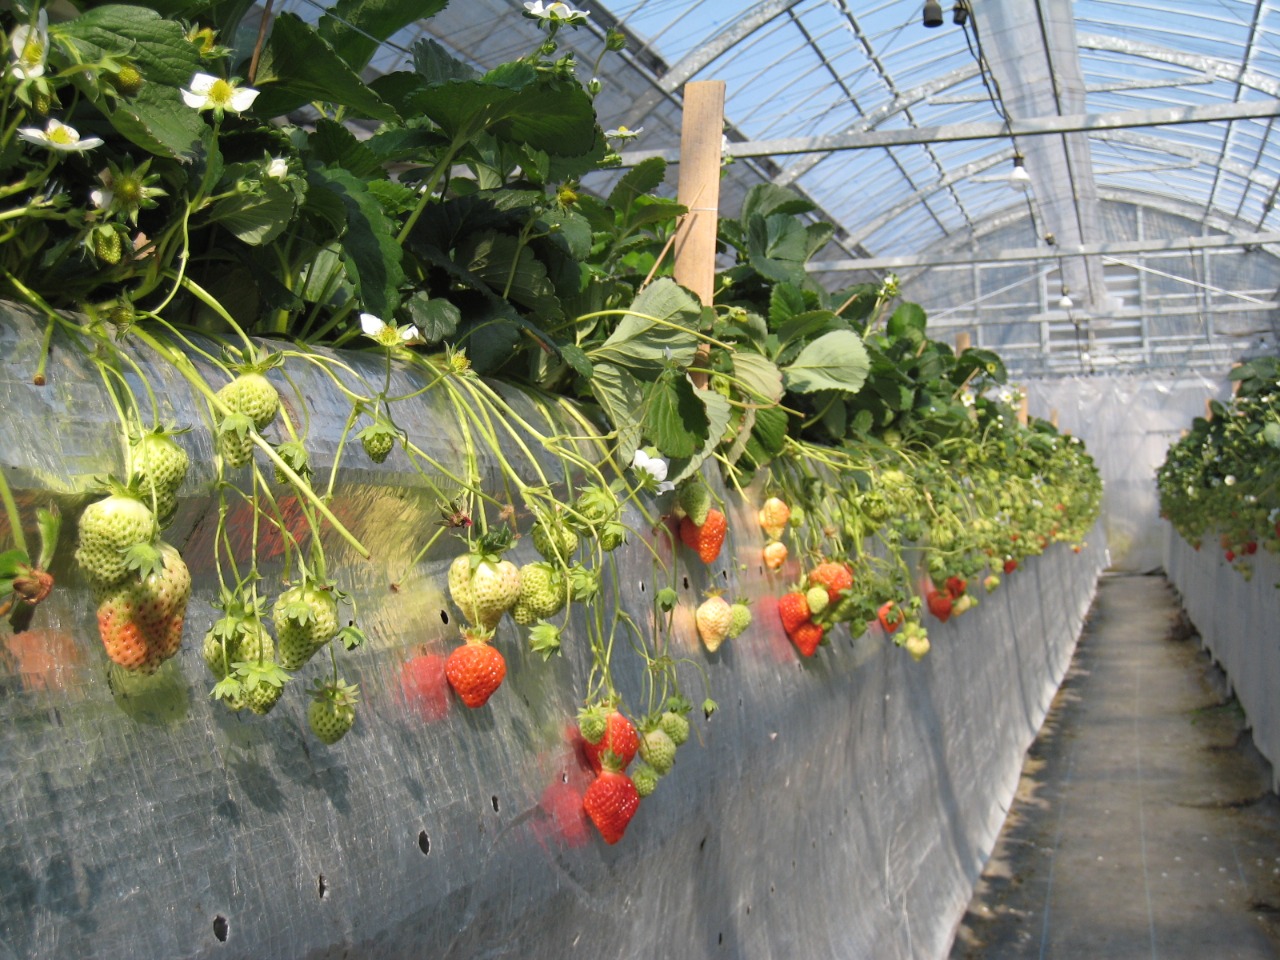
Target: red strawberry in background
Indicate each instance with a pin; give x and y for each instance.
(890, 616)
(619, 737)
(425, 687)
(808, 637)
(956, 586)
(836, 577)
(705, 539)
(1010, 565)
(611, 801)
(793, 611)
(940, 604)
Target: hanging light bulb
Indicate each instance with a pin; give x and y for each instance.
(1019, 179)
(932, 13)
(1065, 303)
(960, 13)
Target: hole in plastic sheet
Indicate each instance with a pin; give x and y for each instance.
(686, 583)
(703, 843)
(642, 586)
(220, 928)
(772, 889)
(720, 939)
(494, 798)
(725, 573)
(424, 842)
(564, 778)
(444, 617)
(322, 886)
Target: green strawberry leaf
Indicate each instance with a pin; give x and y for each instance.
(667, 599)
(709, 707)
(252, 673)
(544, 638)
(6, 587)
(835, 361)
(298, 611)
(144, 558)
(12, 562)
(228, 688)
(351, 636)
(49, 523)
(240, 424)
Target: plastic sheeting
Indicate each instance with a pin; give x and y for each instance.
(1127, 424)
(1236, 619)
(838, 807)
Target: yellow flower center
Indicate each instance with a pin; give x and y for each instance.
(61, 135)
(33, 51)
(220, 93)
(129, 191)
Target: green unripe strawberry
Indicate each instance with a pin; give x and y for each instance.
(159, 461)
(107, 246)
(739, 619)
(676, 726)
(554, 541)
(232, 640)
(592, 724)
(596, 504)
(128, 80)
(612, 535)
(108, 528)
(694, 498)
(332, 710)
(378, 440)
(306, 618)
(658, 750)
(645, 779)
(254, 396)
(263, 698)
(41, 104)
(818, 599)
(542, 593)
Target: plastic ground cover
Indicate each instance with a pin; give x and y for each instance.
(838, 807)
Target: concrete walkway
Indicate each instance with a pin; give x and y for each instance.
(1143, 825)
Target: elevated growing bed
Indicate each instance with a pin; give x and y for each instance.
(1237, 620)
(838, 807)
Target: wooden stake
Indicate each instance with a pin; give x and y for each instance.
(701, 136)
(1208, 408)
(1024, 410)
(1053, 418)
(963, 342)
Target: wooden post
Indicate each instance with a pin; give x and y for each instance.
(701, 136)
(1024, 410)
(1208, 408)
(963, 342)
(1053, 418)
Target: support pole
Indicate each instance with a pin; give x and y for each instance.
(963, 342)
(699, 191)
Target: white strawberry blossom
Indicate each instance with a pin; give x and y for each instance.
(30, 47)
(278, 168)
(208, 92)
(623, 133)
(652, 470)
(58, 136)
(560, 12)
(387, 334)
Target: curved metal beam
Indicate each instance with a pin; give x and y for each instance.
(707, 52)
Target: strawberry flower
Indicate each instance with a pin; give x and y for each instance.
(387, 334)
(554, 12)
(59, 137)
(652, 472)
(208, 92)
(30, 45)
(623, 133)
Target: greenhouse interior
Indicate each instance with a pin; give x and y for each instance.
(671, 478)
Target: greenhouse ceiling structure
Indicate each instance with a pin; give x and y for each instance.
(1143, 235)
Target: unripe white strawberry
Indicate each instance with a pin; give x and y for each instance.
(658, 750)
(713, 618)
(676, 726)
(108, 528)
(306, 618)
(484, 590)
(254, 396)
(542, 593)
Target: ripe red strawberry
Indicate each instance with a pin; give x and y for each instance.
(1251, 547)
(793, 610)
(1230, 555)
(890, 616)
(1010, 565)
(705, 540)
(611, 801)
(425, 687)
(475, 670)
(775, 554)
(956, 586)
(940, 604)
(834, 576)
(620, 738)
(807, 637)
